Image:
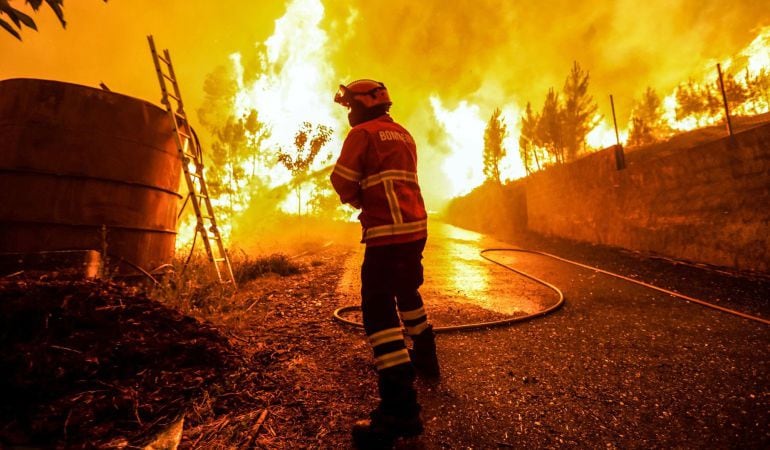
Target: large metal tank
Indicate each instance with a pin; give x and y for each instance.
(76, 161)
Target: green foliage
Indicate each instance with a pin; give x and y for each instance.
(494, 150)
(21, 20)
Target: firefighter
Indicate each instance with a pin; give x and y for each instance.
(377, 172)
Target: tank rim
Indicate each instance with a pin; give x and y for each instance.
(82, 86)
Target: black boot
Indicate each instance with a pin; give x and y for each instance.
(398, 414)
(381, 430)
(423, 355)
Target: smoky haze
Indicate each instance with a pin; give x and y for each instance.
(489, 53)
(495, 52)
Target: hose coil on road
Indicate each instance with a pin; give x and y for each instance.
(559, 303)
(481, 325)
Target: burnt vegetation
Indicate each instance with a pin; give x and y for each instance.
(557, 133)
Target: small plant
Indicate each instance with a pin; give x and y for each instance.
(249, 269)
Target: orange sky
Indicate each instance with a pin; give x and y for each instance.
(107, 42)
(511, 49)
(490, 53)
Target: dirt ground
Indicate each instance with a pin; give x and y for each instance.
(616, 367)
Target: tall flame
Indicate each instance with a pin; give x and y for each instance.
(295, 82)
(753, 60)
(296, 78)
(464, 131)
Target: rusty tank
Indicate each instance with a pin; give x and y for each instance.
(86, 169)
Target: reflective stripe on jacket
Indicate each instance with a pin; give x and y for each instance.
(377, 172)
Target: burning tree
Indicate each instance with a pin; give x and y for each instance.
(237, 153)
(578, 113)
(548, 132)
(558, 133)
(528, 148)
(308, 142)
(758, 88)
(647, 123)
(698, 102)
(494, 151)
(737, 94)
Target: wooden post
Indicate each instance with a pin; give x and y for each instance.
(724, 99)
(614, 120)
(620, 158)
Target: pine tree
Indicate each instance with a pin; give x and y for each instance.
(736, 93)
(527, 140)
(758, 88)
(550, 126)
(579, 113)
(647, 124)
(494, 150)
(689, 102)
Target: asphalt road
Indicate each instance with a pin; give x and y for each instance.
(619, 366)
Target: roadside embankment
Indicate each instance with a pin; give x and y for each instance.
(705, 202)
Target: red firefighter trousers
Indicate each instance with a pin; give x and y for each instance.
(390, 278)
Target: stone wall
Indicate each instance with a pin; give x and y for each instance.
(491, 208)
(708, 203)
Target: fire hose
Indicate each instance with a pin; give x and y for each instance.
(338, 313)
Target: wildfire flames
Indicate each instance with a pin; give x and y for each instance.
(447, 70)
(294, 81)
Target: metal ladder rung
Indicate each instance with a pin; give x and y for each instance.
(189, 151)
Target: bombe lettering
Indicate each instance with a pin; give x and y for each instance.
(389, 135)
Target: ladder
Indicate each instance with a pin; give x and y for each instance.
(190, 152)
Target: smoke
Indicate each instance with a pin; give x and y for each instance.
(447, 65)
(493, 51)
(486, 54)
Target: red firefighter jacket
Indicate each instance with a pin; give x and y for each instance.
(377, 172)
